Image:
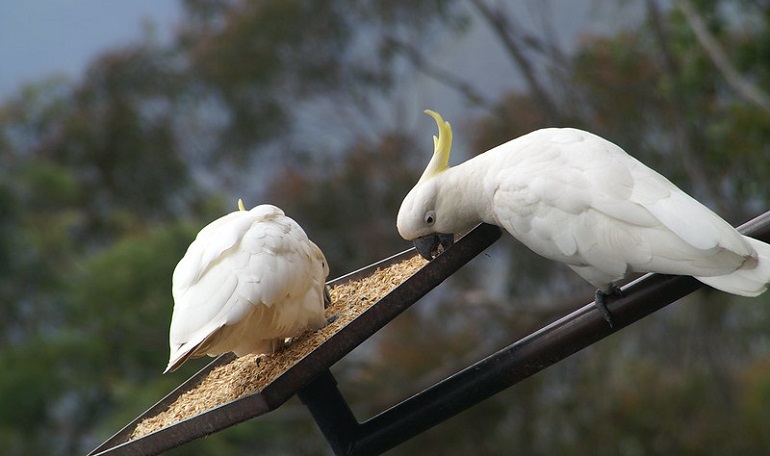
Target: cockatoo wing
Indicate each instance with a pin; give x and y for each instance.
(577, 198)
(249, 266)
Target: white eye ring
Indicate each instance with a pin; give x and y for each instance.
(430, 218)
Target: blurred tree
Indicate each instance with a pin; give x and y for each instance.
(104, 182)
(343, 205)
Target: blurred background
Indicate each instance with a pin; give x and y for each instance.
(124, 131)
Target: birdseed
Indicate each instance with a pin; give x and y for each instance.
(243, 376)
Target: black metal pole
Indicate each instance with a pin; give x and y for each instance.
(526, 357)
(331, 412)
(322, 397)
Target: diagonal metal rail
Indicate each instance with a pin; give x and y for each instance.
(498, 371)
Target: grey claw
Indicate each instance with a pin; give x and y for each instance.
(601, 303)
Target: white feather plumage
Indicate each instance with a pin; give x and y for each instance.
(576, 198)
(249, 280)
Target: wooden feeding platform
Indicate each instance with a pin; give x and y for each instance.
(230, 390)
(235, 378)
(189, 412)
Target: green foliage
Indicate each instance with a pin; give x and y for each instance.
(123, 288)
(105, 181)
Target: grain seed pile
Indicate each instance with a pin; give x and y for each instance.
(243, 376)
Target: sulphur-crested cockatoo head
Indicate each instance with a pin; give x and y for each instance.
(417, 218)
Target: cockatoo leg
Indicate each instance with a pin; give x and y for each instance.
(332, 319)
(600, 302)
(276, 345)
(327, 297)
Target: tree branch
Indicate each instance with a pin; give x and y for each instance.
(745, 89)
(685, 135)
(440, 74)
(501, 26)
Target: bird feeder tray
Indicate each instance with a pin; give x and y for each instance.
(312, 381)
(306, 368)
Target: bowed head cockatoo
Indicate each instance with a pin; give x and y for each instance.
(574, 197)
(249, 280)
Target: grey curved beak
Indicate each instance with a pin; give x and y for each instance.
(432, 245)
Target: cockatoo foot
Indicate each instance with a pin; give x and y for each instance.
(600, 302)
(332, 319)
(277, 347)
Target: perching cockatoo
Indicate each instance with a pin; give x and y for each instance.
(574, 197)
(248, 281)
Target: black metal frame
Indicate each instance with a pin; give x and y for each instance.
(306, 369)
(498, 371)
(318, 390)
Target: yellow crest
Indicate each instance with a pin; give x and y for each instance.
(442, 145)
(241, 207)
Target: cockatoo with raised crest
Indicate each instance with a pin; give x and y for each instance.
(574, 197)
(249, 280)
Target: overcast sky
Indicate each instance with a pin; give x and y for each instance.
(40, 38)
(43, 38)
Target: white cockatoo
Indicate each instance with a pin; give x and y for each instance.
(249, 280)
(574, 197)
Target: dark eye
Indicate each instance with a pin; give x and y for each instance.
(430, 218)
